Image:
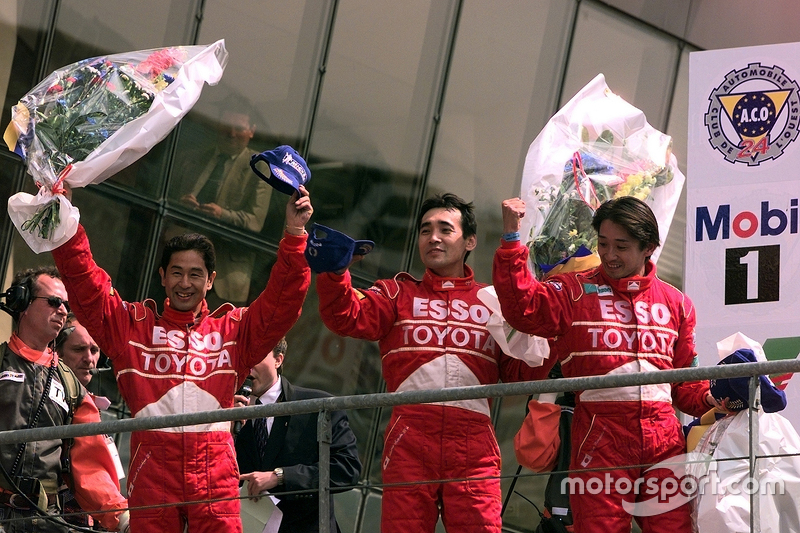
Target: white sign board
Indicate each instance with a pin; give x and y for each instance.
(743, 186)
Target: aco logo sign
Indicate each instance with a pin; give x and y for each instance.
(754, 114)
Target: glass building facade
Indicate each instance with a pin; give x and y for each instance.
(389, 102)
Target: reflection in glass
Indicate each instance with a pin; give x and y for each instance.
(375, 116)
(495, 106)
(120, 235)
(638, 62)
(21, 257)
(215, 181)
(24, 28)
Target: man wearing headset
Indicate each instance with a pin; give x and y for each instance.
(37, 390)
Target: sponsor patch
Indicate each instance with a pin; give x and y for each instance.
(19, 377)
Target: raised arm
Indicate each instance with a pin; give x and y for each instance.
(93, 299)
(529, 306)
(278, 307)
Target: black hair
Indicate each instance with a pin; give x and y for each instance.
(632, 214)
(190, 241)
(30, 276)
(451, 202)
(29, 279)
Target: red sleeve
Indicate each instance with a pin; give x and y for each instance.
(350, 312)
(688, 396)
(537, 442)
(92, 297)
(279, 305)
(94, 475)
(542, 309)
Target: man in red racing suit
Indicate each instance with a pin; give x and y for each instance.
(618, 318)
(187, 360)
(432, 334)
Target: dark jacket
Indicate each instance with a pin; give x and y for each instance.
(293, 446)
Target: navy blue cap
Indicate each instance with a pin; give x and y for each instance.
(328, 250)
(288, 171)
(737, 390)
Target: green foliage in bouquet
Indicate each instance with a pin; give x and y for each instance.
(80, 115)
(79, 107)
(596, 173)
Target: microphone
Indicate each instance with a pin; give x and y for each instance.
(103, 365)
(245, 391)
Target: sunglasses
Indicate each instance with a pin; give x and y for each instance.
(54, 301)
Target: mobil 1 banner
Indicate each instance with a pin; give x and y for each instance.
(742, 269)
(743, 201)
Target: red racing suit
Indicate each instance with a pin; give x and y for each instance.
(178, 363)
(602, 326)
(432, 334)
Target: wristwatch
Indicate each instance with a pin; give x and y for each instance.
(279, 474)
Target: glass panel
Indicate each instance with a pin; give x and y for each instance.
(519, 512)
(371, 520)
(490, 117)
(709, 24)
(212, 175)
(671, 16)
(11, 170)
(119, 234)
(638, 62)
(274, 51)
(89, 28)
(24, 31)
(262, 101)
(374, 121)
(670, 262)
(346, 505)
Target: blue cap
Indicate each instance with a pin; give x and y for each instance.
(328, 250)
(737, 390)
(288, 171)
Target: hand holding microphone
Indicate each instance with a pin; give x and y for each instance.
(242, 396)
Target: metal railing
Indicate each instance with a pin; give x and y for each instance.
(324, 406)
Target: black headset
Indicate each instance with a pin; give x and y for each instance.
(18, 297)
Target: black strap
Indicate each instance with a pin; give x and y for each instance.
(35, 420)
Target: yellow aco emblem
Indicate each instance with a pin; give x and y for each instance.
(754, 114)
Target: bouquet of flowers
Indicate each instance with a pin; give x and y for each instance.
(596, 148)
(87, 121)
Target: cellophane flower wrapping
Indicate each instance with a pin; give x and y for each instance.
(597, 147)
(87, 121)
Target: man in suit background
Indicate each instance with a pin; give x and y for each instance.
(219, 183)
(282, 454)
